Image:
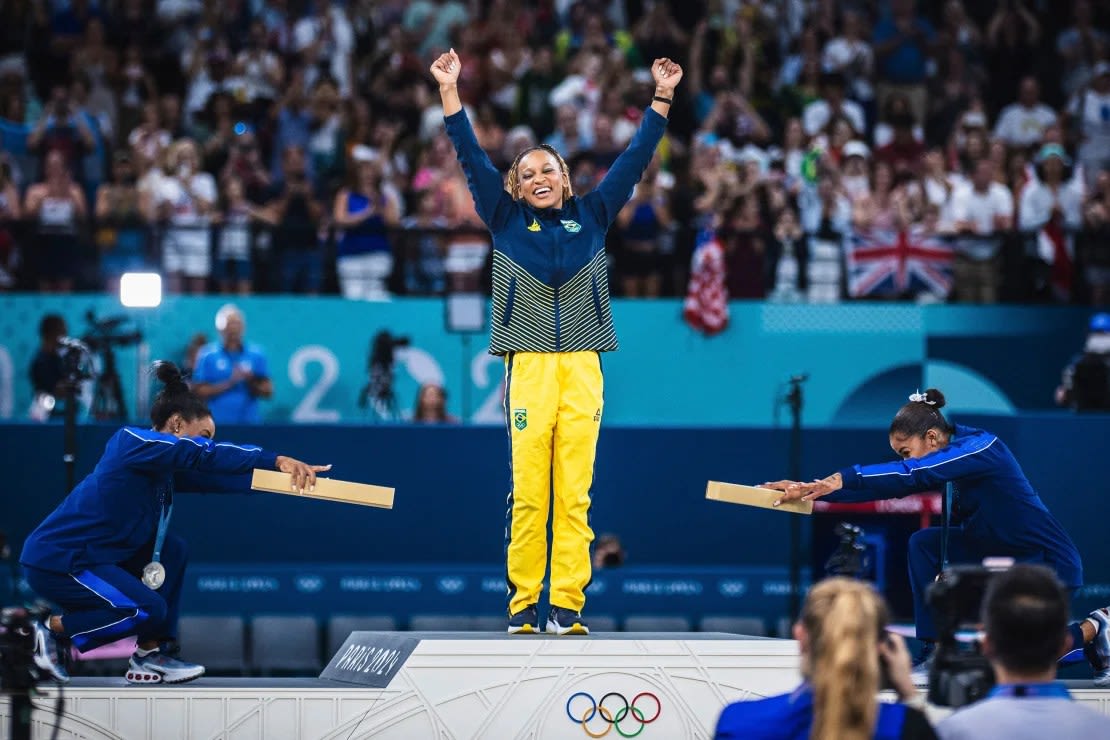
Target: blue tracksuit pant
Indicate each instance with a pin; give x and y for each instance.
(107, 602)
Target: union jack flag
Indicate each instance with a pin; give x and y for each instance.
(898, 264)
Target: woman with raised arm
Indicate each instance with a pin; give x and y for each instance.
(104, 555)
(551, 320)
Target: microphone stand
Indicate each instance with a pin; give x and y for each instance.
(795, 400)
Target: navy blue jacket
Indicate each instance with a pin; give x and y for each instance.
(550, 273)
(790, 717)
(995, 504)
(113, 513)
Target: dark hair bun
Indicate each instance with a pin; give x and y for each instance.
(935, 398)
(170, 375)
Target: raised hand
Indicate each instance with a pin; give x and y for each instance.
(667, 74)
(445, 69)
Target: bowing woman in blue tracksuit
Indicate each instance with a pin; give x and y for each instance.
(995, 509)
(104, 557)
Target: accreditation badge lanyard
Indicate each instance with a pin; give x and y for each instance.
(154, 573)
(1053, 690)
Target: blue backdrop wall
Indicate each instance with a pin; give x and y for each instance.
(451, 484)
(862, 359)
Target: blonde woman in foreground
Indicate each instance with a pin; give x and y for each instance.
(844, 645)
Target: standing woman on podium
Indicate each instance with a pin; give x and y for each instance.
(551, 320)
(104, 556)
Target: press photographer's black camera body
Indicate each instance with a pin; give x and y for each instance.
(960, 674)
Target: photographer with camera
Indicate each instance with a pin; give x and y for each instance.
(231, 375)
(1025, 618)
(104, 556)
(48, 374)
(994, 509)
(846, 657)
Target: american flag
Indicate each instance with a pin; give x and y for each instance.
(706, 304)
(898, 264)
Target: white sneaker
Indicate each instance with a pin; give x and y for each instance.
(157, 667)
(566, 622)
(46, 653)
(1098, 651)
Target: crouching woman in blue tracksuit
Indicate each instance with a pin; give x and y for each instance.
(104, 557)
(995, 509)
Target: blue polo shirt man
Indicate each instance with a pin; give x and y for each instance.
(232, 375)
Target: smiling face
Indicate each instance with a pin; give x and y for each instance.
(540, 179)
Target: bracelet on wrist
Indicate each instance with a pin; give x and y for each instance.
(661, 99)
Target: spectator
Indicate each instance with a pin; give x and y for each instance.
(1022, 124)
(850, 54)
(1093, 244)
(425, 246)
(325, 41)
(431, 406)
(902, 41)
(1080, 47)
(10, 214)
(608, 552)
(234, 253)
(260, 70)
(434, 22)
(61, 128)
(1085, 382)
(938, 187)
(981, 209)
(1051, 206)
(845, 648)
(818, 114)
(1013, 39)
(185, 199)
(904, 152)
(150, 138)
(365, 213)
(60, 210)
(1089, 112)
(641, 224)
(48, 374)
(134, 88)
(1025, 620)
(532, 106)
(122, 231)
(231, 375)
(568, 135)
(294, 210)
(244, 161)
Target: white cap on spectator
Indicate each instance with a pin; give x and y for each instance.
(363, 153)
(856, 148)
(1100, 69)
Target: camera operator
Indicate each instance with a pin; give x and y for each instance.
(1025, 618)
(48, 375)
(231, 375)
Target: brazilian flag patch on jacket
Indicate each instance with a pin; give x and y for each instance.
(520, 419)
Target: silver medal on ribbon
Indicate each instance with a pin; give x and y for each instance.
(154, 575)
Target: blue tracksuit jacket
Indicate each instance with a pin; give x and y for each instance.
(113, 513)
(550, 277)
(994, 502)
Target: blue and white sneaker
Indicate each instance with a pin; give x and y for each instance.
(1098, 650)
(566, 622)
(157, 667)
(46, 654)
(525, 622)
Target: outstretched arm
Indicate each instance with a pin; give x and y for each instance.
(485, 182)
(616, 187)
(899, 478)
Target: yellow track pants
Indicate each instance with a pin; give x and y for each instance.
(553, 405)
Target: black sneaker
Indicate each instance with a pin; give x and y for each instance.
(525, 622)
(566, 622)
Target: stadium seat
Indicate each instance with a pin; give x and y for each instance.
(651, 623)
(734, 625)
(440, 623)
(340, 626)
(216, 642)
(285, 644)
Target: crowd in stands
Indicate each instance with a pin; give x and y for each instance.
(830, 149)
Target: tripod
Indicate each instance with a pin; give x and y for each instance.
(107, 403)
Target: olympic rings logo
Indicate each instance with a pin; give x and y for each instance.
(584, 714)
